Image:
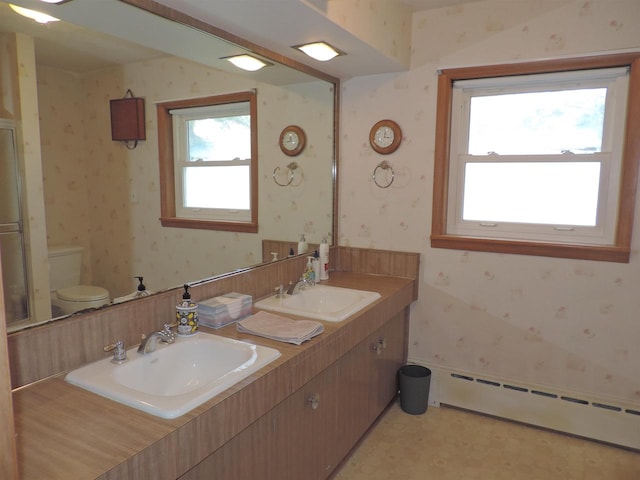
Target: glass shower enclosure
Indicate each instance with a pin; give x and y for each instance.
(11, 229)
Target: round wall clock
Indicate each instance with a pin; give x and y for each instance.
(292, 140)
(385, 136)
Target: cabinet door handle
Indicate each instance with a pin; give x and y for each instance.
(379, 346)
(314, 401)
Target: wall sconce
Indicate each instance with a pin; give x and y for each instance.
(321, 51)
(247, 62)
(127, 120)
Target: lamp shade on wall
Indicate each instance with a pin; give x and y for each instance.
(127, 119)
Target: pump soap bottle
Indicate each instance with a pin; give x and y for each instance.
(142, 290)
(309, 273)
(303, 246)
(187, 314)
(316, 265)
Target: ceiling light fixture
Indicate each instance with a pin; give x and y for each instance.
(321, 51)
(247, 62)
(32, 14)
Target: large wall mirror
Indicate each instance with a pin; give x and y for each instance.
(103, 195)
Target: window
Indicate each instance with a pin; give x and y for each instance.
(534, 158)
(208, 163)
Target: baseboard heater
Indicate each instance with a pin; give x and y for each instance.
(565, 411)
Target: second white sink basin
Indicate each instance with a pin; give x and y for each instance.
(321, 302)
(177, 377)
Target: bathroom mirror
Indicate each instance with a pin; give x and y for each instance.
(104, 195)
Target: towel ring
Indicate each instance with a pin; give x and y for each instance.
(291, 173)
(384, 165)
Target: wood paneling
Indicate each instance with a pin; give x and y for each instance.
(47, 350)
(378, 262)
(282, 248)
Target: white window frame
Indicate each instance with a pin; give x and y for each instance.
(180, 118)
(620, 249)
(615, 80)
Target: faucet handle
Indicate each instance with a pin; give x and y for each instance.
(166, 334)
(119, 352)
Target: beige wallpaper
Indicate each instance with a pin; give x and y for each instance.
(105, 197)
(566, 323)
(384, 25)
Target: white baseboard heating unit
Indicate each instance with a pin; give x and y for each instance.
(565, 411)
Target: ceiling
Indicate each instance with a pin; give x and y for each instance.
(267, 23)
(278, 24)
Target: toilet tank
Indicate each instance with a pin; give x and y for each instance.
(65, 264)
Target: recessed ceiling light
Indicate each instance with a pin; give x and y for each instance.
(247, 62)
(321, 51)
(32, 14)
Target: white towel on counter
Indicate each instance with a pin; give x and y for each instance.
(278, 328)
(234, 305)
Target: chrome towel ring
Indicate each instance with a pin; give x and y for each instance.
(384, 165)
(291, 174)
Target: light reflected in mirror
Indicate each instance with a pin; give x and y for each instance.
(104, 197)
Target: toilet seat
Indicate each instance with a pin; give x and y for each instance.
(82, 293)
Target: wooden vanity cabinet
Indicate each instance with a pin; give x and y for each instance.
(308, 434)
(294, 440)
(368, 380)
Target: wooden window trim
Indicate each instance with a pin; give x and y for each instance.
(168, 216)
(621, 249)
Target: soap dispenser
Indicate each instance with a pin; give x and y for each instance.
(142, 290)
(316, 265)
(303, 246)
(309, 273)
(187, 314)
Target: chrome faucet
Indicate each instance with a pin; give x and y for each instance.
(294, 288)
(149, 342)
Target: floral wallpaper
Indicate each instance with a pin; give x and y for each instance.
(105, 197)
(572, 324)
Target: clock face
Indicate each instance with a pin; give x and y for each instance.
(290, 141)
(384, 136)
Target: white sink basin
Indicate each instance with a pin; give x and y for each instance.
(176, 377)
(321, 302)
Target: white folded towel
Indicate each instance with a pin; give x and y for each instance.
(275, 327)
(234, 305)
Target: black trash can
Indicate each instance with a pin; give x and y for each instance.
(414, 381)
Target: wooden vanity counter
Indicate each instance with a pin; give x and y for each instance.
(65, 432)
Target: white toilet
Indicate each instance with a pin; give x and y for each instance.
(67, 295)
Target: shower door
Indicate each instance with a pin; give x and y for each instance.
(11, 234)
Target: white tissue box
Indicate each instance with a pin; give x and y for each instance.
(228, 308)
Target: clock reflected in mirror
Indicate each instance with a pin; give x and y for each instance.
(292, 140)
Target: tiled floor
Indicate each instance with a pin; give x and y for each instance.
(451, 444)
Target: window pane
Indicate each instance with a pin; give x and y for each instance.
(225, 187)
(537, 122)
(224, 138)
(563, 193)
